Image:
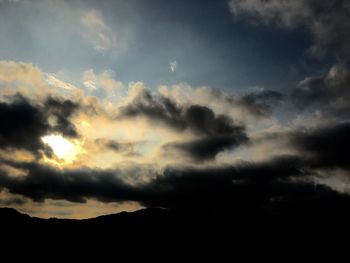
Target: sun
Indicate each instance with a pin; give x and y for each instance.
(63, 148)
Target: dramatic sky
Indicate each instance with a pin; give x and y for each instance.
(116, 105)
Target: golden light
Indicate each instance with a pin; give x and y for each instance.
(63, 148)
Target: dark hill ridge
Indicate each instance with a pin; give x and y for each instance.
(142, 217)
(10, 215)
(157, 216)
(160, 224)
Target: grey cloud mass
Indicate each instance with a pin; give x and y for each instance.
(215, 132)
(326, 147)
(251, 188)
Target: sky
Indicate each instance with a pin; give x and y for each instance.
(110, 106)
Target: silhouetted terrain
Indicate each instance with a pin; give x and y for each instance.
(166, 217)
(144, 227)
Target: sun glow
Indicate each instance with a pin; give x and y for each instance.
(63, 148)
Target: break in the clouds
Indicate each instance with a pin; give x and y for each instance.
(255, 122)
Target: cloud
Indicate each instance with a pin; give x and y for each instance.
(216, 133)
(157, 109)
(206, 148)
(169, 143)
(11, 202)
(226, 187)
(65, 209)
(173, 66)
(6, 199)
(283, 13)
(326, 20)
(329, 92)
(124, 148)
(106, 80)
(320, 147)
(312, 90)
(325, 147)
(17, 73)
(30, 81)
(55, 82)
(97, 31)
(44, 182)
(256, 105)
(249, 188)
(23, 124)
(212, 133)
(202, 120)
(259, 103)
(60, 113)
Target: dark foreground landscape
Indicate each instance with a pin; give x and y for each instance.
(299, 210)
(245, 229)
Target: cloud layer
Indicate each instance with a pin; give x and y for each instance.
(190, 141)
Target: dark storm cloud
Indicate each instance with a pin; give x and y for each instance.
(203, 120)
(196, 118)
(208, 147)
(324, 147)
(327, 147)
(249, 187)
(215, 132)
(158, 109)
(43, 182)
(22, 124)
(62, 111)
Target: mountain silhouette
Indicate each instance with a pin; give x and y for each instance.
(190, 226)
(149, 217)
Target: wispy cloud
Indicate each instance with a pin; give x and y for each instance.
(55, 82)
(97, 32)
(173, 66)
(106, 80)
